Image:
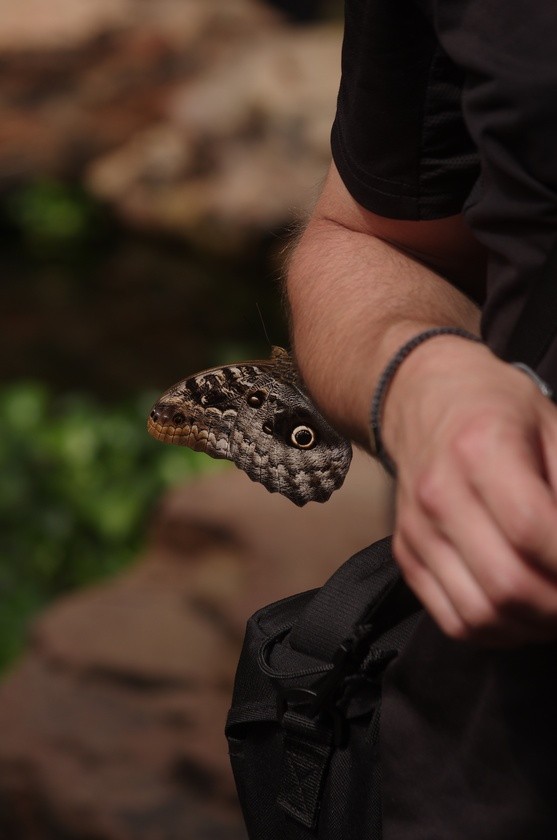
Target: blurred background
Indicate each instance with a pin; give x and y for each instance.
(155, 156)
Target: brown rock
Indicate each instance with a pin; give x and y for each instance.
(284, 549)
(57, 24)
(254, 128)
(206, 120)
(81, 78)
(112, 724)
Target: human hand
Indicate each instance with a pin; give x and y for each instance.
(475, 444)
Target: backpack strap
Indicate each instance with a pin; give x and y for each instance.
(354, 597)
(365, 602)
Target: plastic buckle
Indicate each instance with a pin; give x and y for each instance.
(348, 656)
(304, 698)
(321, 702)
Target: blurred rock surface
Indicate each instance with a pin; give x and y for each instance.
(206, 119)
(112, 725)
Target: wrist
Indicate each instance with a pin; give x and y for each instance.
(423, 361)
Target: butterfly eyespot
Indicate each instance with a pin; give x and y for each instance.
(268, 427)
(256, 398)
(178, 419)
(303, 437)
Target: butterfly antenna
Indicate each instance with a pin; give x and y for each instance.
(266, 334)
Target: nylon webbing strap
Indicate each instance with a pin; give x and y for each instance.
(305, 760)
(537, 325)
(344, 600)
(354, 593)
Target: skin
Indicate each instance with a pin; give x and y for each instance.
(474, 441)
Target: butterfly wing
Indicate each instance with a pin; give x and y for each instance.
(201, 411)
(257, 415)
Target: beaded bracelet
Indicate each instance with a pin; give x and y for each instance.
(387, 377)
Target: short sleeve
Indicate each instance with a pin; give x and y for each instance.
(398, 140)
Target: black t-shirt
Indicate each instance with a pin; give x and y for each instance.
(448, 106)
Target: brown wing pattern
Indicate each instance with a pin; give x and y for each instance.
(257, 415)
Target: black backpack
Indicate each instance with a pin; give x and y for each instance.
(468, 736)
(304, 723)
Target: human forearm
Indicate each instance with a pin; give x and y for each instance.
(354, 299)
(473, 440)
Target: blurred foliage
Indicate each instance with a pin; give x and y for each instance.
(77, 483)
(50, 210)
(50, 218)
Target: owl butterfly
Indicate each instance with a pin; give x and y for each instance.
(258, 415)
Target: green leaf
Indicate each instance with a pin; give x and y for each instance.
(77, 483)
